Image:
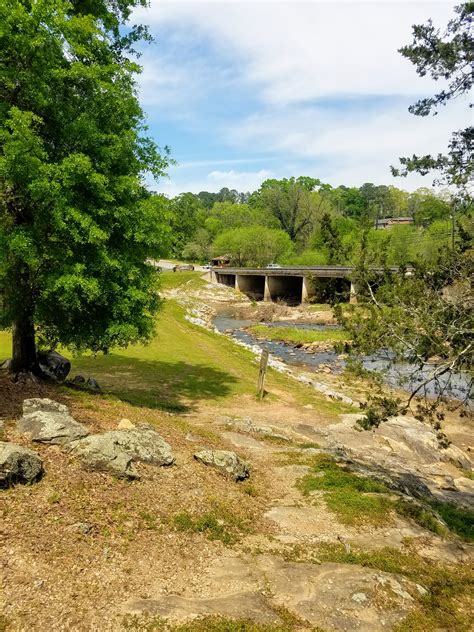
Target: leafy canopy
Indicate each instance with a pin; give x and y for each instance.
(449, 56)
(76, 223)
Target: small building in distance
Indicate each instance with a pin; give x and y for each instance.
(221, 262)
(388, 222)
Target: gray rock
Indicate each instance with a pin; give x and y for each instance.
(18, 465)
(115, 451)
(48, 421)
(226, 462)
(92, 384)
(100, 452)
(79, 379)
(54, 365)
(247, 425)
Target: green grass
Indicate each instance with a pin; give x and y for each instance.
(171, 280)
(319, 307)
(298, 336)
(182, 366)
(207, 524)
(360, 500)
(355, 499)
(333, 477)
(459, 520)
(219, 522)
(353, 508)
(215, 623)
(423, 516)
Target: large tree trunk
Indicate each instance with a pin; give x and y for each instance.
(24, 357)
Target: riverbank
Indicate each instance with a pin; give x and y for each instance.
(327, 532)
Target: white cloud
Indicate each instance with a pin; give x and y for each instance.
(214, 181)
(299, 51)
(296, 59)
(238, 179)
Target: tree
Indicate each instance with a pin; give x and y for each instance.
(253, 246)
(349, 201)
(200, 248)
(76, 224)
(426, 321)
(187, 214)
(294, 202)
(425, 318)
(425, 207)
(224, 195)
(225, 215)
(447, 56)
(329, 240)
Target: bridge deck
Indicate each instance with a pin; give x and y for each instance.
(317, 271)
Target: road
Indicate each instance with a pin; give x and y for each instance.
(166, 264)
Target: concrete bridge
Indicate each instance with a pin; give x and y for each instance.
(294, 285)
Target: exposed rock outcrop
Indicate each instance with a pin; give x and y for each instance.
(333, 596)
(246, 424)
(402, 452)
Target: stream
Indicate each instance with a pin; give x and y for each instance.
(399, 375)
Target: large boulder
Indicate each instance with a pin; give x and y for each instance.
(226, 462)
(102, 453)
(18, 465)
(54, 365)
(47, 421)
(116, 450)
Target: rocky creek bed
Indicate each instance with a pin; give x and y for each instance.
(323, 358)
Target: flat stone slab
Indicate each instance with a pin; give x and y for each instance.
(243, 441)
(247, 425)
(47, 421)
(339, 596)
(18, 465)
(244, 605)
(115, 451)
(330, 596)
(228, 463)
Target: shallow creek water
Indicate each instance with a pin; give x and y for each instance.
(399, 376)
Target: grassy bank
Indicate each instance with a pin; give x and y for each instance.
(183, 365)
(298, 336)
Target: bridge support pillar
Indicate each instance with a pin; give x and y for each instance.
(353, 293)
(267, 295)
(305, 290)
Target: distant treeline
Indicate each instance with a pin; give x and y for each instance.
(304, 221)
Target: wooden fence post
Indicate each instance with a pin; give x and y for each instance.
(261, 374)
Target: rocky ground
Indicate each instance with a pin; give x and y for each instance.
(289, 519)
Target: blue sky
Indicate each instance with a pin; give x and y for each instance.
(244, 91)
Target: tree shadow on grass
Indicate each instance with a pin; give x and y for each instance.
(170, 386)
